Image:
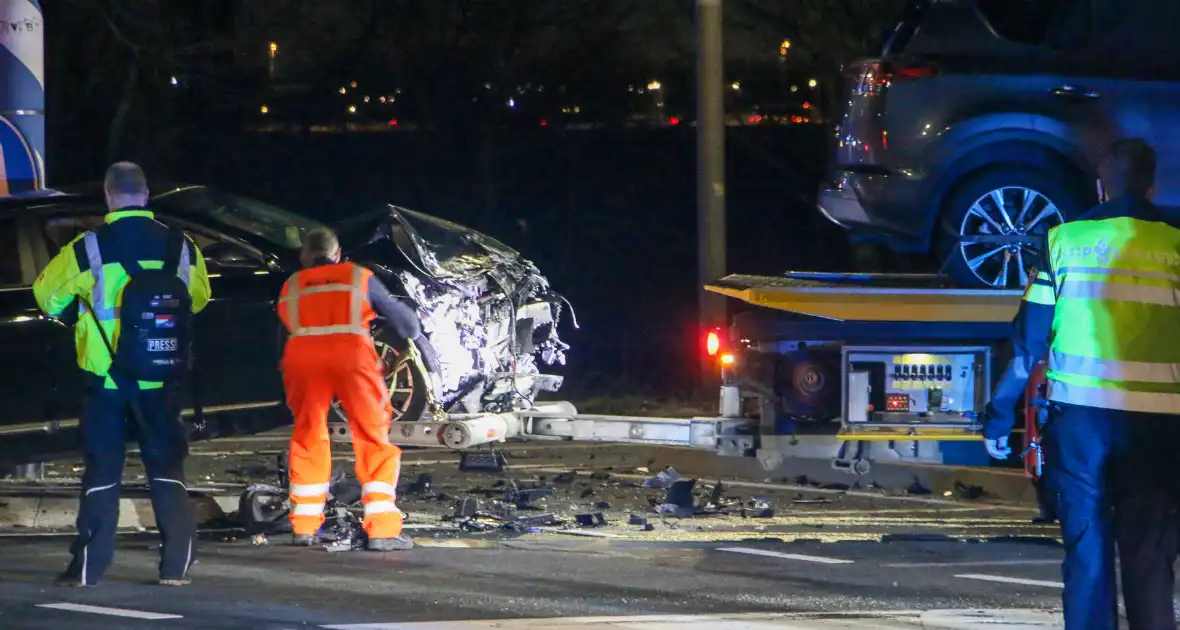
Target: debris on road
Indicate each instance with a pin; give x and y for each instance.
(662, 480)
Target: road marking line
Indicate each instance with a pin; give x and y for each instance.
(978, 563)
(114, 612)
(1010, 580)
(963, 618)
(786, 556)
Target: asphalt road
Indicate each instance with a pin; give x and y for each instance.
(766, 584)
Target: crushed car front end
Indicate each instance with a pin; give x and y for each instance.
(488, 312)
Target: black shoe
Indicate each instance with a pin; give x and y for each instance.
(401, 543)
(69, 581)
(305, 540)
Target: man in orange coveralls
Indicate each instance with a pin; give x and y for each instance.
(327, 308)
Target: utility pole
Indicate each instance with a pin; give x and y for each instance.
(711, 262)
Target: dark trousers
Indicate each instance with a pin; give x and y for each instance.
(1097, 469)
(1146, 522)
(107, 424)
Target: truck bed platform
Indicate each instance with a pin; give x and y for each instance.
(871, 297)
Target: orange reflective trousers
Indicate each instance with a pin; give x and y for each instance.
(330, 355)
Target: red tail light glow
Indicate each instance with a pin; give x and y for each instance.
(713, 343)
(875, 76)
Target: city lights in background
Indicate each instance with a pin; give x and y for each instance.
(735, 86)
(175, 82)
(512, 102)
(352, 109)
(654, 86)
(812, 83)
(344, 90)
(264, 109)
(784, 47)
(274, 49)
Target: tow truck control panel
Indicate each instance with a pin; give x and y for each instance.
(914, 386)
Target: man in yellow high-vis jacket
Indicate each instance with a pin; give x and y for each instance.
(90, 273)
(1105, 309)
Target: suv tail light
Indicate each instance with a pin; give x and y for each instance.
(876, 76)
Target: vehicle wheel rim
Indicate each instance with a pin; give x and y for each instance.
(399, 379)
(1015, 212)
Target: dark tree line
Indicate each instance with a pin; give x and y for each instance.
(135, 77)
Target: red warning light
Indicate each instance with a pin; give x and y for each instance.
(675, 120)
(393, 123)
(713, 343)
(544, 123)
(897, 402)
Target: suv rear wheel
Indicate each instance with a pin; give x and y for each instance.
(995, 221)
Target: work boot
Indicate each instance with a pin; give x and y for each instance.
(69, 581)
(304, 540)
(401, 543)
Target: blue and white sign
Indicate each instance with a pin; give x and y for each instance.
(22, 97)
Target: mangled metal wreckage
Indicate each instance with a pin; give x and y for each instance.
(490, 316)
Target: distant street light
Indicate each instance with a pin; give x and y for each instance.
(352, 109)
(274, 49)
(343, 90)
(735, 85)
(812, 83)
(264, 109)
(784, 47)
(654, 85)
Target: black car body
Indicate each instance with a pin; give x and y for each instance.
(981, 123)
(490, 310)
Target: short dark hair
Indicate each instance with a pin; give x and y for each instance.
(125, 178)
(1128, 169)
(320, 243)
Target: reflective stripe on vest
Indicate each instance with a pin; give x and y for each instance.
(110, 312)
(357, 292)
(1115, 370)
(1116, 312)
(1089, 396)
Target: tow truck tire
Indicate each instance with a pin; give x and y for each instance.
(1055, 183)
(407, 392)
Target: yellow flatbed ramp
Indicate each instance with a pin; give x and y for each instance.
(864, 297)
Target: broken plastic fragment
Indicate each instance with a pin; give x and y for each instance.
(662, 480)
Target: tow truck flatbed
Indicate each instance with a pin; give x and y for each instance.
(910, 358)
(911, 298)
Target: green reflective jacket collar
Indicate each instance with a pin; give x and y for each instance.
(129, 211)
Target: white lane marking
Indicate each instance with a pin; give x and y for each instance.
(576, 532)
(977, 563)
(880, 620)
(114, 612)
(785, 556)
(1010, 580)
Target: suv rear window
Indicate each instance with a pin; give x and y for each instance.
(1023, 21)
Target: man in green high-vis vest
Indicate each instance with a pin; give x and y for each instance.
(1105, 310)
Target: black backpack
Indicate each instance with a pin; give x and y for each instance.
(155, 338)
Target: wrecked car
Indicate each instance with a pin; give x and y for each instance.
(490, 316)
